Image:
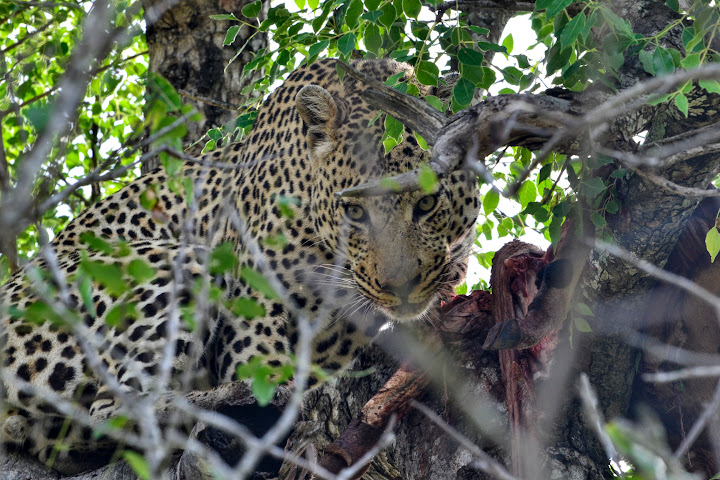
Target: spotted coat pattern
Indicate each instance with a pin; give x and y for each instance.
(353, 264)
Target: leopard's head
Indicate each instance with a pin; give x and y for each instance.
(396, 252)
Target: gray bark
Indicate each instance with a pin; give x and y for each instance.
(186, 47)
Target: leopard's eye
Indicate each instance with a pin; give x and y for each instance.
(426, 204)
(356, 213)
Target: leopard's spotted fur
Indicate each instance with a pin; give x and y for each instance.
(375, 259)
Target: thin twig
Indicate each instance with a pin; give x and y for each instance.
(683, 374)
(699, 424)
(209, 101)
(594, 416)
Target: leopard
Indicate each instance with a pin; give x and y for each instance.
(348, 266)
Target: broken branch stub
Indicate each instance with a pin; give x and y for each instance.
(524, 120)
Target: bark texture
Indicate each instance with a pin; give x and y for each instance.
(186, 47)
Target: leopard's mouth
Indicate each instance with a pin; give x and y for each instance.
(401, 306)
(403, 310)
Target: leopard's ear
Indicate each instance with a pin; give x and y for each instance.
(319, 112)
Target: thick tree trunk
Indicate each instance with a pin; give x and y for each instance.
(186, 47)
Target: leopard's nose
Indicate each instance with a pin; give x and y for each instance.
(400, 287)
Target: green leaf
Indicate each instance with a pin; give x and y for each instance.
(37, 115)
(479, 30)
(422, 143)
(109, 276)
(662, 62)
(557, 58)
(681, 102)
(263, 389)
(231, 34)
(463, 91)
(582, 324)
(224, 16)
(691, 61)
(657, 99)
(555, 231)
(373, 39)
(209, 146)
(470, 57)
(527, 193)
(96, 243)
(583, 309)
(86, 293)
(149, 198)
(435, 102)
(393, 127)
(283, 57)
(346, 44)
(258, 282)
(248, 308)
(352, 15)
(411, 8)
(712, 86)
(508, 43)
(542, 4)
(313, 4)
(215, 134)
(712, 243)
(300, 4)
(317, 48)
(592, 187)
(164, 89)
(140, 271)
(120, 315)
(674, 4)
(138, 463)
(389, 14)
(556, 6)
(373, 16)
(222, 258)
(646, 58)
(427, 73)
(252, 10)
(427, 179)
(575, 27)
(544, 173)
(561, 210)
(490, 202)
(485, 46)
(598, 220)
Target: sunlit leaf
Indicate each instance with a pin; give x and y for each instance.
(427, 179)
(712, 243)
(222, 258)
(258, 282)
(681, 102)
(138, 464)
(490, 201)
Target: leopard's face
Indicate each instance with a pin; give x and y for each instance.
(402, 251)
(399, 251)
